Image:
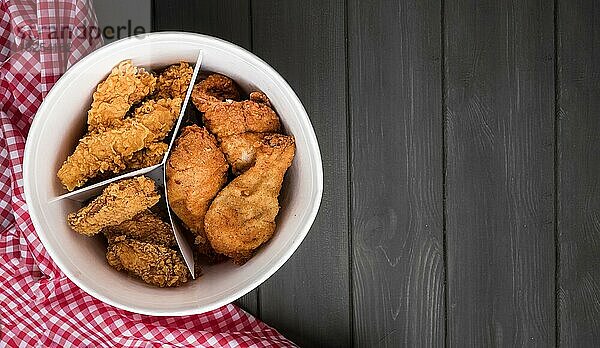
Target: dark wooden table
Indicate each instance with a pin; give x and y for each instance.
(461, 151)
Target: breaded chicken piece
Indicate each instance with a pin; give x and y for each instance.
(154, 264)
(242, 216)
(214, 89)
(158, 116)
(240, 150)
(144, 227)
(229, 118)
(103, 152)
(260, 97)
(110, 151)
(125, 86)
(149, 156)
(196, 171)
(119, 201)
(174, 81)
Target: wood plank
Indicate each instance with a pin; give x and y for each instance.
(308, 299)
(397, 172)
(500, 183)
(226, 19)
(578, 34)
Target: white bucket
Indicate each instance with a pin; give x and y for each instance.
(60, 122)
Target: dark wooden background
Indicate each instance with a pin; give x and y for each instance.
(461, 151)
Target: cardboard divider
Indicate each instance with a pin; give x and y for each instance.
(157, 173)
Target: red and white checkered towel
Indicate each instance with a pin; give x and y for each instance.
(39, 305)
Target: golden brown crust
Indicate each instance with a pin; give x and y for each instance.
(112, 150)
(147, 157)
(229, 118)
(103, 152)
(196, 171)
(154, 264)
(214, 89)
(260, 97)
(240, 150)
(242, 216)
(125, 86)
(158, 116)
(144, 227)
(119, 201)
(174, 81)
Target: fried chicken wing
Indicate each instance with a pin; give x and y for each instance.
(110, 151)
(240, 150)
(242, 216)
(174, 81)
(154, 264)
(144, 227)
(119, 202)
(214, 89)
(196, 171)
(125, 86)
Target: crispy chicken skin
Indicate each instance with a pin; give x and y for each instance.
(158, 116)
(214, 89)
(196, 171)
(242, 216)
(154, 264)
(144, 227)
(240, 150)
(217, 96)
(119, 202)
(125, 86)
(231, 117)
(111, 151)
(174, 81)
(149, 156)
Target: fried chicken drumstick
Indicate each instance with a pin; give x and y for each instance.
(242, 216)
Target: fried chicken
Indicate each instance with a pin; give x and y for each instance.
(260, 97)
(174, 81)
(214, 89)
(158, 116)
(103, 152)
(240, 150)
(112, 150)
(154, 264)
(144, 227)
(196, 171)
(149, 156)
(119, 202)
(125, 86)
(229, 118)
(242, 216)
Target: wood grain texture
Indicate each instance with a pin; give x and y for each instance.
(578, 34)
(397, 172)
(500, 182)
(227, 19)
(308, 298)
